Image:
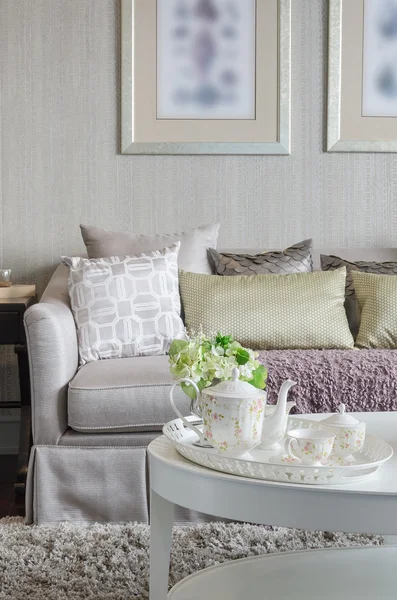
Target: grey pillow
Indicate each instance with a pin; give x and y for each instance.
(330, 263)
(192, 255)
(125, 306)
(296, 259)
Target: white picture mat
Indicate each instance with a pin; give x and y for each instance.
(353, 130)
(379, 59)
(139, 127)
(177, 67)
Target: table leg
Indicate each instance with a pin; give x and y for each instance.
(161, 519)
(25, 430)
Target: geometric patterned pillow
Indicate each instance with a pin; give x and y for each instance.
(295, 259)
(125, 306)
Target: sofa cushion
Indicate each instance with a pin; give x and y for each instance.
(297, 310)
(295, 259)
(125, 306)
(330, 263)
(377, 298)
(192, 256)
(124, 394)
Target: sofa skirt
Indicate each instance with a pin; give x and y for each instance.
(87, 484)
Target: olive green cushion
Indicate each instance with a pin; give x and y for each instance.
(377, 298)
(300, 310)
(351, 305)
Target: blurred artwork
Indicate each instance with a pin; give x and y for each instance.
(206, 59)
(380, 58)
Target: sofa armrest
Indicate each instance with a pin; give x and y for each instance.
(53, 359)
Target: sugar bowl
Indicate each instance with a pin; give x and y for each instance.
(349, 433)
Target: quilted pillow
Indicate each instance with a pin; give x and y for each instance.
(330, 263)
(125, 306)
(296, 259)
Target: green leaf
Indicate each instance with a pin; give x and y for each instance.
(189, 389)
(177, 346)
(259, 377)
(242, 356)
(223, 340)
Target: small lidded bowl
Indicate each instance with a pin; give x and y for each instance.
(349, 433)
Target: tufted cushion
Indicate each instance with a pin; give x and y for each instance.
(296, 259)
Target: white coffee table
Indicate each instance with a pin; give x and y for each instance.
(369, 506)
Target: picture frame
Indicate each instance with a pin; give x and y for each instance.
(142, 132)
(358, 118)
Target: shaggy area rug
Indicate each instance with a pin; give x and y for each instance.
(111, 561)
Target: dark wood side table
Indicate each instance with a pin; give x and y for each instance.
(12, 332)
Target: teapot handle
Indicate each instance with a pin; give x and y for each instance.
(180, 415)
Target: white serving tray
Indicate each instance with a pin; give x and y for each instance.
(267, 464)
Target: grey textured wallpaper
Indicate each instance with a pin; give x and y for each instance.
(60, 161)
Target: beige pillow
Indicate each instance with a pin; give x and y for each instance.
(192, 254)
(377, 298)
(300, 310)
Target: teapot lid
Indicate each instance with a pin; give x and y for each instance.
(341, 418)
(234, 388)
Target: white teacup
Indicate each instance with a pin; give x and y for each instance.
(310, 446)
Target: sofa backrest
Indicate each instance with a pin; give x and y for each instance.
(57, 289)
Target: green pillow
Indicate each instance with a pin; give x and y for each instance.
(377, 298)
(300, 310)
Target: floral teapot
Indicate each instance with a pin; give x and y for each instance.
(233, 414)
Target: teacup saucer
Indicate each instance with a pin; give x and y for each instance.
(332, 461)
(284, 459)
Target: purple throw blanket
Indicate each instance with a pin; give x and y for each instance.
(364, 380)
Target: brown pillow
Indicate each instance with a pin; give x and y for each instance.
(330, 263)
(296, 259)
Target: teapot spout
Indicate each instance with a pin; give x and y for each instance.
(283, 393)
(281, 407)
(275, 424)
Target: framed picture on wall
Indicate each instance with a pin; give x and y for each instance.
(206, 76)
(362, 76)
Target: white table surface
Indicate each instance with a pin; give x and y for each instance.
(343, 573)
(367, 506)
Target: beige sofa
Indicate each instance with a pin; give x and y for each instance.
(91, 427)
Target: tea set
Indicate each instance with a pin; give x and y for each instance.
(236, 420)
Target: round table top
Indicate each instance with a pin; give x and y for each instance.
(380, 424)
(354, 573)
(366, 506)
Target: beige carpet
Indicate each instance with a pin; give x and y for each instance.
(111, 561)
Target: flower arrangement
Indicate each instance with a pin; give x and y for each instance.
(205, 359)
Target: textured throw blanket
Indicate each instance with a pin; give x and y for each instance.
(364, 380)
